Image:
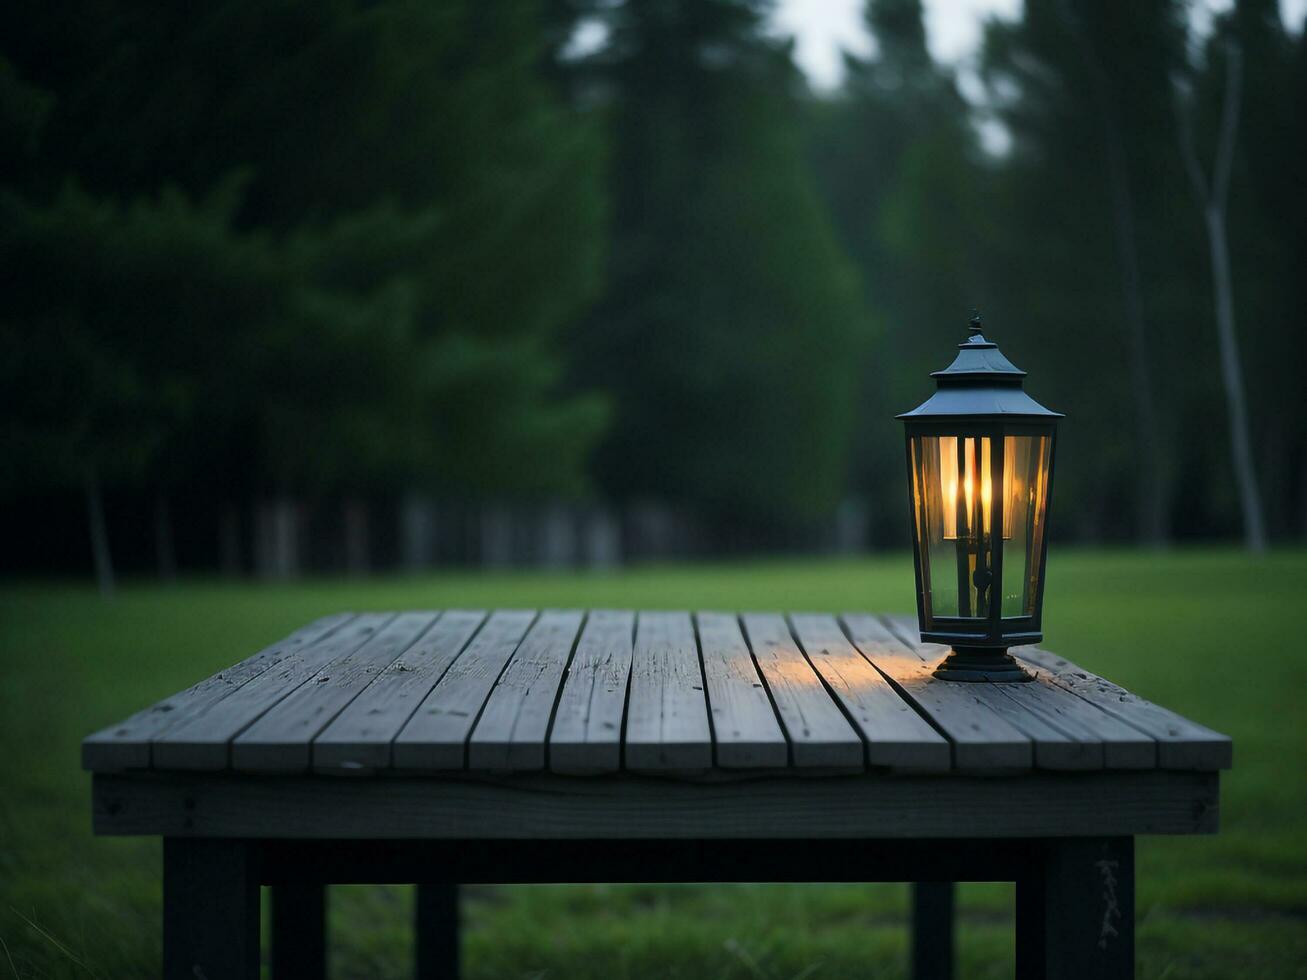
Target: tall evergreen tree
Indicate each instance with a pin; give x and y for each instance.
(731, 329)
(907, 186)
(428, 211)
(1267, 212)
(1090, 248)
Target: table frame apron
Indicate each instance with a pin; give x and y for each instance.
(1074, 907)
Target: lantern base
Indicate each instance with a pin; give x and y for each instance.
(993, 665)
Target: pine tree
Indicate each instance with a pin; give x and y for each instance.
(731, 329)
(1088, 244)
(383, 218)
(1267, 211)
(901, 171)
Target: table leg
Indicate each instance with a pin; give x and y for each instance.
(437, 931)
(299, 931)
(1076, 910)
(932, 930)
(210, 909)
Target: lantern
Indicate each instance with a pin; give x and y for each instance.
(980, 472)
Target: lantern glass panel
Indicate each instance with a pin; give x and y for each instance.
(952, 483)
(1025, 509)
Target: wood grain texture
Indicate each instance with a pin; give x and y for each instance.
(662, 692)
(1067, 731)
(511, 731)
(667, 713)
(587, 730)
(1181, 743)
(820, 736)
(981, 738)
(895, 734)
(361, 735)
(547, 806)
(126, 745)
(746, 732)
(1053, 745)
(281, 740)
(435, 737)
(1119, 745)
(202, 741)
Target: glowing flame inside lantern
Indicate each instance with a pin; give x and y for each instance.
(962, 513)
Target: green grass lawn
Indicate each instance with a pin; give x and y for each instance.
(1204, 632)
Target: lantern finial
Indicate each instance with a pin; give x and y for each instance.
(974, 324)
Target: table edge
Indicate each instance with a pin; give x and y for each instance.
(1027, 804)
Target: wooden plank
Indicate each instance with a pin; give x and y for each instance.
(281, 741)
(1135, 733)
(981, 738)
(895, 734)
(513, 727)
(667, 715)
(360, 737)
(746, 732)
(1067, 732)
(587, 730)
(1053, 746)
(628, 807)
(203, 741)
(1118, 745)
(819, 734)
(1181, 743)
(435, 737)
(126, 745)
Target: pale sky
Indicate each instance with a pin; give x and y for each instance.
(821, 28)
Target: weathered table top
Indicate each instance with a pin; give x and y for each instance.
(476, 723)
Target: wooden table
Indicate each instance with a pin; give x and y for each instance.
(444, 747)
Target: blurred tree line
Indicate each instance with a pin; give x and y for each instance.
(360, 256)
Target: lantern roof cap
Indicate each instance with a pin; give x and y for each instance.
(981, 381)
(978, 357)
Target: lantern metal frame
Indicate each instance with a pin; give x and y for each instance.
(980, 396)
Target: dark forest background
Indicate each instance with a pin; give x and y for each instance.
(352, 285)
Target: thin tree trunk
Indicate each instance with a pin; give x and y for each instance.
(277, 538)
(851, 523)
(1212, 197)
(496, 536)
(165, 553)
(1273, 468)
(358, 544)
(229, 541)
(1151, 503)
(1236, 403)
(557, 536)
(602, 539)
(104, 576)
(288, 537)
(417, 532)
(1302, 498)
